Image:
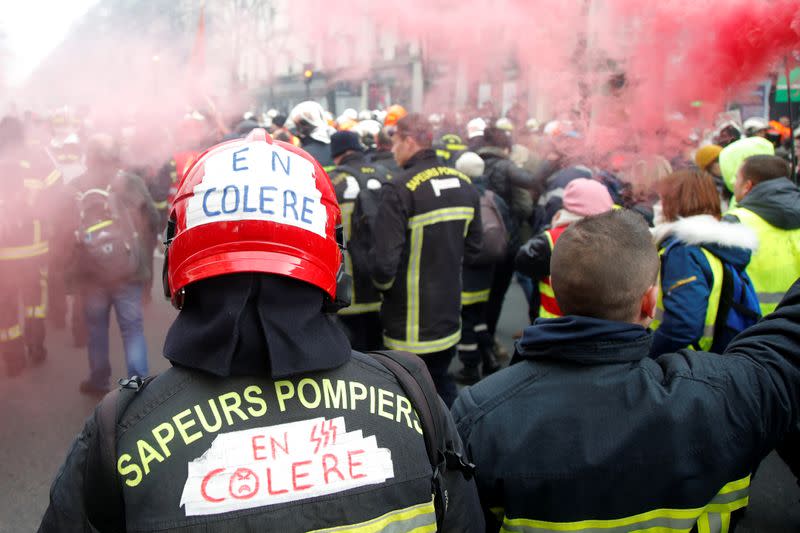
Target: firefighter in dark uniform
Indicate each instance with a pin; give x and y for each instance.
(587, 433)
(28, 177)
(353, 174)
(476, 347)
(267, 421)
(427, 226)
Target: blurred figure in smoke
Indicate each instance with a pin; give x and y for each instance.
(192, 137)
(383, 152)
(281, 132)
(310, 125)
(756, 127)
(116, 213)
(727, 134)
(27, 174)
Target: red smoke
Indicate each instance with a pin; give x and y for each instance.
(672, 53)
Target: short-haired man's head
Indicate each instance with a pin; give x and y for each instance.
(603, 265)
(760, 168)
(497, 137)
(687, 193)
(416, 127)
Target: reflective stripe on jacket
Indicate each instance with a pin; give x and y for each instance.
(549, 306)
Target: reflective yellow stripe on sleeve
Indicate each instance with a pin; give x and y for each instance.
(474, 297)
(417, 519)
(713, 518)
(23, 252)
(417, 225)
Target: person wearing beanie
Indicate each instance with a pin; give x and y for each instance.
(476, 346)
(582, 197)
(707, 159)
(355, 178)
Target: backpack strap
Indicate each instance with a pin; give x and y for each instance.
(416, 382)
(106, 507)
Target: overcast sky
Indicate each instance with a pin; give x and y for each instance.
(34, 27)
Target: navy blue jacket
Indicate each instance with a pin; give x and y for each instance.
(588, 427)
(686, 277)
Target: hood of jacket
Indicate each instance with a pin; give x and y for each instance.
(584, 340)
(733, 243)
(776, 201)
(250, 324)
(732, 156)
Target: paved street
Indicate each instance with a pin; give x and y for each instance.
(42, 411)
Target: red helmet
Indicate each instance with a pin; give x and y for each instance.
(254, 205)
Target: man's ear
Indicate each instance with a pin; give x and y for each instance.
(649, 303)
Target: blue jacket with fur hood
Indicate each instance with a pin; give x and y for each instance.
(686, 277)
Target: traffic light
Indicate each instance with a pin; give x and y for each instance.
(308, 75)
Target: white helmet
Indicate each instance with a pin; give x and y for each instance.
(475, 127)
(312, 115)
(504, 124)
(532, 124)
(350, 113)
(365, 114)
(367, 127)
(755, 124)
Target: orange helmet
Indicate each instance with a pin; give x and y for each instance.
(393, 114)
(254, 205)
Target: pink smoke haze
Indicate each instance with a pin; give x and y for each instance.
(672, 53)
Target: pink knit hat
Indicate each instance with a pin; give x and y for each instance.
(587, 197)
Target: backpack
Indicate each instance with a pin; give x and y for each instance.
(365, 212)
(493, 229)
(738, 307)
(109, 245)
(412, 374)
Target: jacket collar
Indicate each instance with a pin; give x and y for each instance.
(422, 156)
(585, 340)
(354, 158)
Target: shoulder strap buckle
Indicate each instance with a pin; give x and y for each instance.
(133, 383)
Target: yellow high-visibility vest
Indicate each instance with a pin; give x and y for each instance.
(775, 266)
(707, 339)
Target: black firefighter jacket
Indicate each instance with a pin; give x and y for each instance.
(427, 225)
(351, 176)
(588, 433)
(339, 448)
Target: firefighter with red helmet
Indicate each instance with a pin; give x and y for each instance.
(267, 420)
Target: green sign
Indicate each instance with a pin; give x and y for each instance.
(780, 90)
